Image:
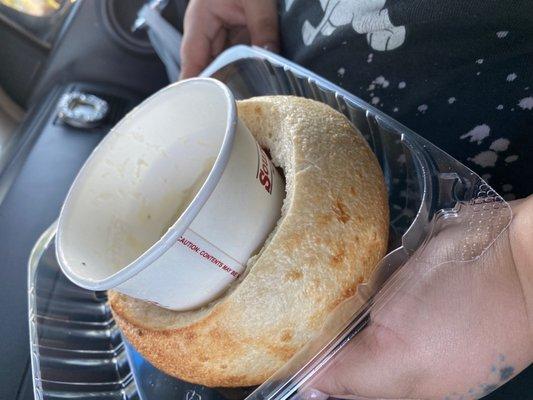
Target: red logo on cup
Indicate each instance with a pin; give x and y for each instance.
(264, 171)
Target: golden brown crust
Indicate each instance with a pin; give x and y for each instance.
(332, 232)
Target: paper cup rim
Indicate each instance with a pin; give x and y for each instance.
(157, 249)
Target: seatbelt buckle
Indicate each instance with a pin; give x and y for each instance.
(156, 5)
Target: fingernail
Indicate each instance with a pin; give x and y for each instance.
(311, 394)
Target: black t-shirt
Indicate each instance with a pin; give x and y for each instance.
(458, 72)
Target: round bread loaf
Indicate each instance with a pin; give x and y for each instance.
(332, 232)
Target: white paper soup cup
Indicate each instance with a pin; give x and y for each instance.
(173, 202)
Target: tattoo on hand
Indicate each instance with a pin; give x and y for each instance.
(500, 373)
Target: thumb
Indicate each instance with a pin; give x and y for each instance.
(372, 365)
(262, 23)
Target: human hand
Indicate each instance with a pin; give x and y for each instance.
(457, 331)
(212, 25)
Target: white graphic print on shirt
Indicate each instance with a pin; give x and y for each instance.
(288, 4)
(366, 17)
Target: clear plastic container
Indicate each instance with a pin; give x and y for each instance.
(442, 216)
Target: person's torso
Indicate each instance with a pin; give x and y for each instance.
(458, 73)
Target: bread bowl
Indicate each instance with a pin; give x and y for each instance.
(332, 232)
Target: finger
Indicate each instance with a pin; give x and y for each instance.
(200, 29)
(219, 42)
(367, 368)
(239, 36)
(262, 23)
